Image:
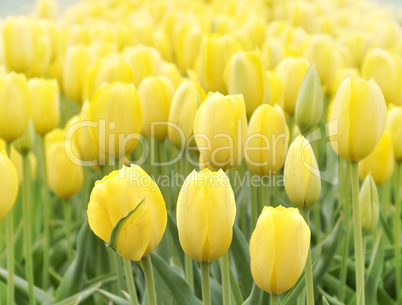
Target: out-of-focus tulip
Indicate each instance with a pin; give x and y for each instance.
(310, 102)
(183, 109)
(155, 92)
(205, 214)
(220, 129)
(215, 52)
(162, 44)
(116, 110)
(302, 176)
(276, 92)
(25, 143)
(45, 104)
(271, 54)
(369, 205)
(386, 69)
(302, 15)
(278, 249)
(267, 141)
(187, 45)
(245, 74)
(46, 9)
(338, 77)
(360, 113)
(15, 106)
(131, 200)
(380, 163)
(8, 184)
(358, 44)
(171, 72)
(291, 71)
(394, 125)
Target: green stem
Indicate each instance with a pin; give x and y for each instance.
(225, 279)
(274, 299)
(357, 228)
(189, 272)
(308, 268)
(398, 232)
(26, 199)
(46, 217)
(67, 223)
(149, 279)
(253, 206)
(10, 247)
(130, 281)
(206, 292)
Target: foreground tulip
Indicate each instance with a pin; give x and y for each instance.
(369, 205)
(220, 129)
(8, 184)
(267, 141)
(380, 163)
(205, 215)
(360, 113)
(15, 106)
(394, 125)
(132, 195)
(302, 176)
(278, 249)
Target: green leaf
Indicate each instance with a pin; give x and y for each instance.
(255, 296)
(112, 297)
(79, 297)
(374, 272)
(324, 301)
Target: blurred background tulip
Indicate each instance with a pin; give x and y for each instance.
(8, 184)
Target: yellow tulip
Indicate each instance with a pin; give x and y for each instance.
(132, 195)
(271, 53)
(205, 214)
(45, 104)
(215, 52)
(15, 106)
(338, 77)
(220, 129)
(25, 143)
(46, 9)
(359, 112)
(394, 125)
(291, 71)
(267, 141)
(302, 14)
(276, 92)
(8, 184)
(245, 74)
(358, 44)
(116, 110)
(369, 205)
(385, 68)
(278, 249)
(380, 163)
(155, 92)
(187, 45)
(302, 176)
(171, 71)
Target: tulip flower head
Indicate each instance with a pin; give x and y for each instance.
(8, 184)
(394, 125)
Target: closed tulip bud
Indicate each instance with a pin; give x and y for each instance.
(155, 92)
(380, 163)
(26, 141)
(126, 210)
(8, 184)
(302, 176)
(77, 61)
(386, 69)
(291, 71)
(276, 92)
(245, 74)
(215, 52)
(46, 9)
(357, 103)
(205, 214)
(187, 45)
(278, 249)
(116, 110)
(394, 125)
(45, 104)
(267, 141)
(15, 106)
(369, 205)
(108, 69)
(145, 61)
(310, 102)
(220, 129)
(183, 109)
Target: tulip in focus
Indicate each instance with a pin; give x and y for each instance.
(8, 184)
(394, 125)
(369, 205)
(205, 215)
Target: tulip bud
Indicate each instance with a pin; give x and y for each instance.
(183, 109)
(116, 110)
(46, 9)
(45, 104)
(126, 209)
(215, 52)
(205, 215)
(155, 92)
(187, 45)
(369, 205)
(310, 103)
(9, 184)
(276, 92)
(15, 106)
(267, 141)
(385, 68)
(357, 103)
(245, 74)
(394, 125)
(302, 176)
(291, 71)
(220, 129)
(278, 249)
(25, 143)
(380, 163)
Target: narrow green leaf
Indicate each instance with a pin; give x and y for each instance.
(79, 297)
(374, 272)
(255, 296)
(324, 301)
(112, 297)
